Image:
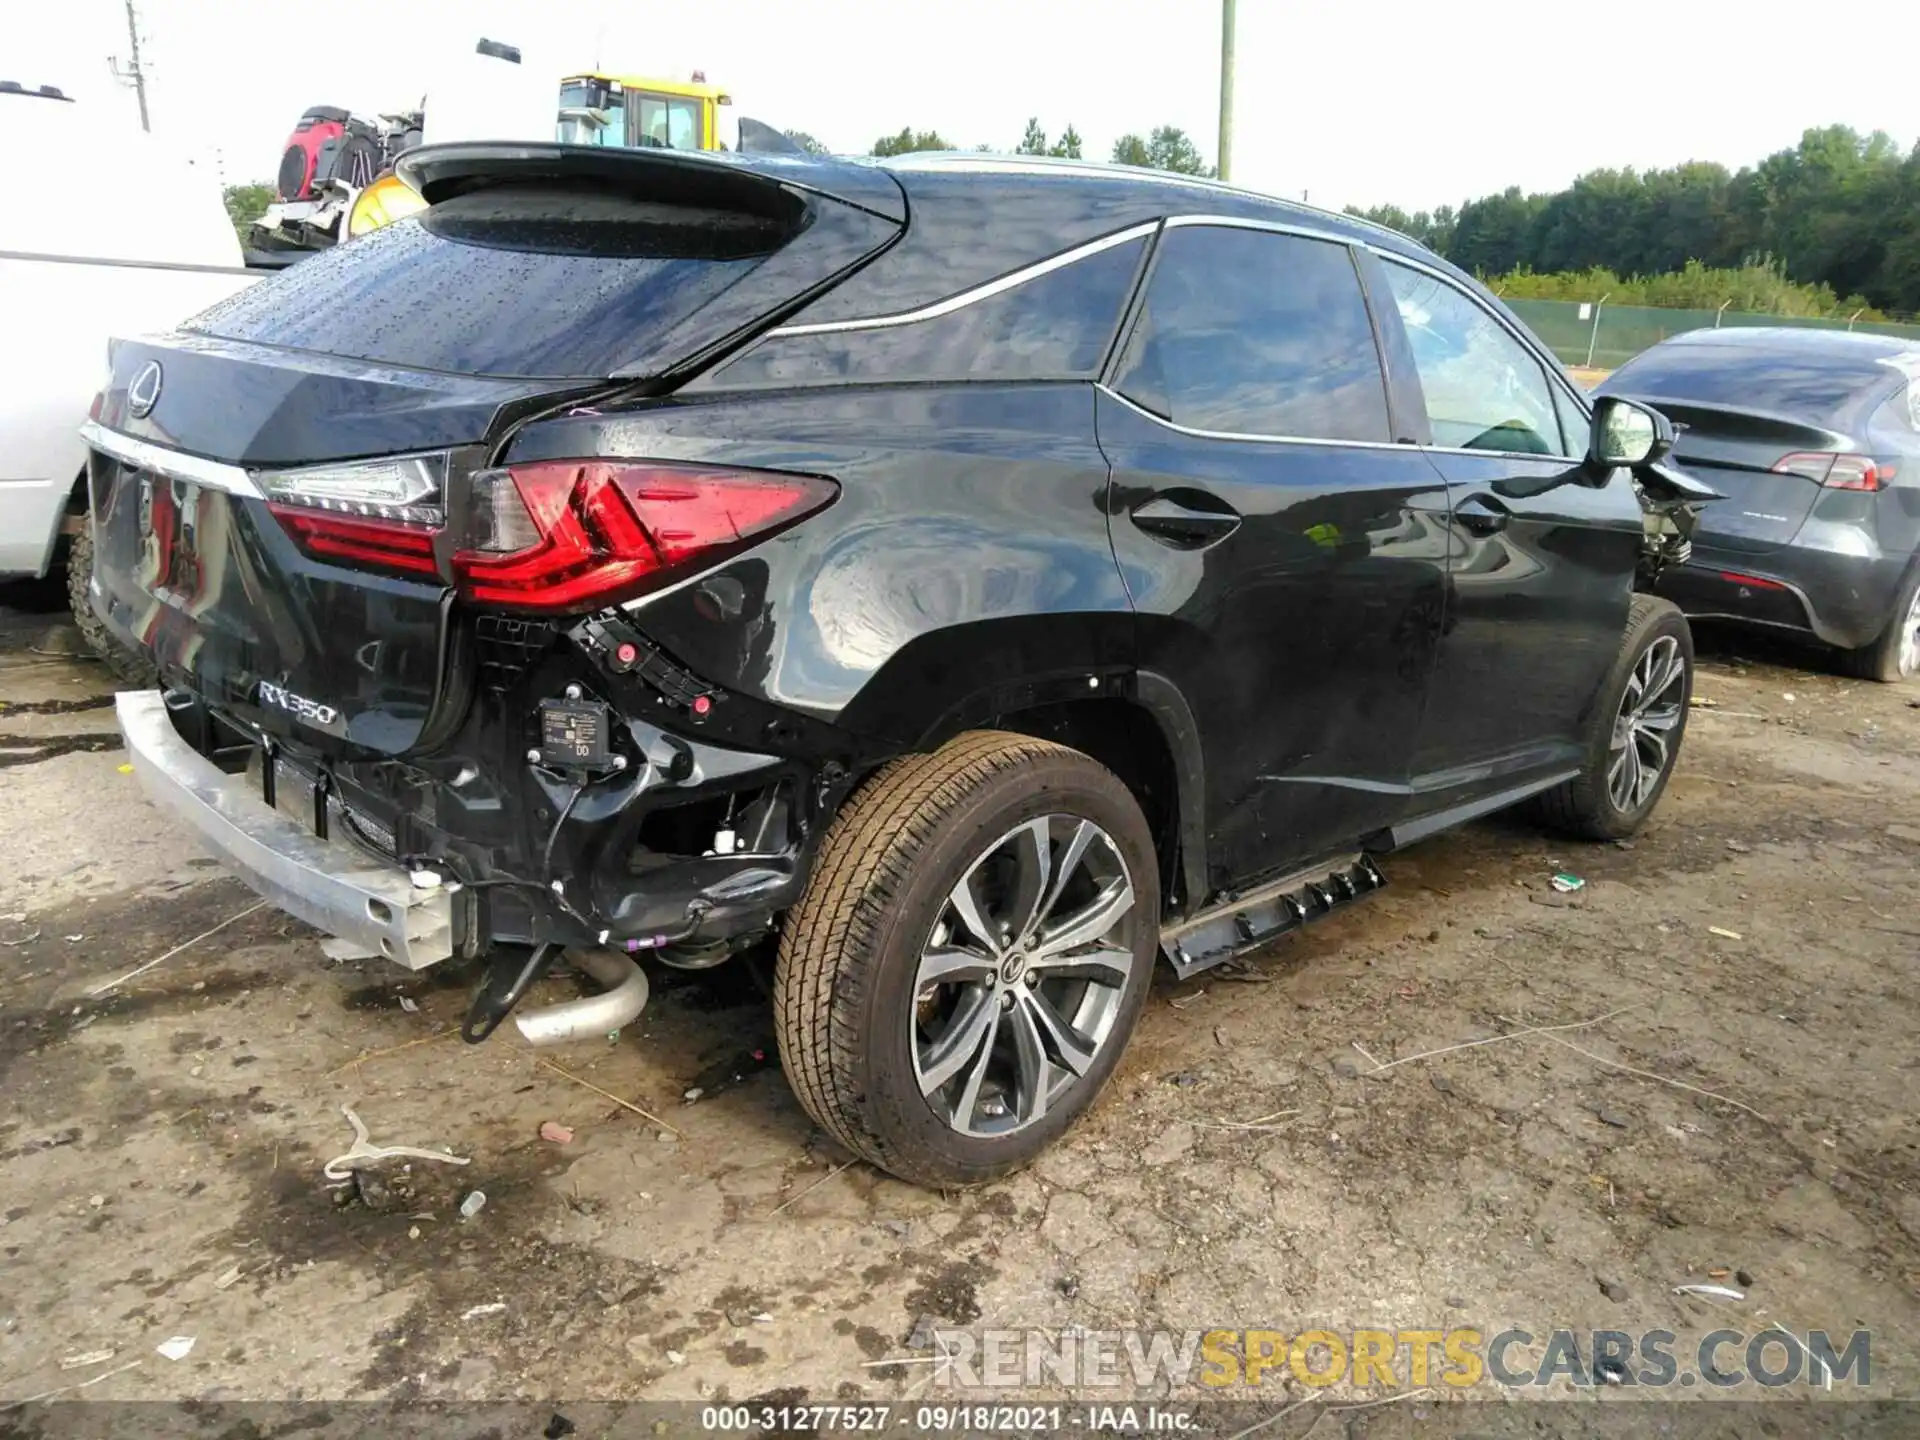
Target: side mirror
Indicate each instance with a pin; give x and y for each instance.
(1628, 433)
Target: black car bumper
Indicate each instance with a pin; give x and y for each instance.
(1842, 599)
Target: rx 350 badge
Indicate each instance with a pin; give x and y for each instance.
(308, 712)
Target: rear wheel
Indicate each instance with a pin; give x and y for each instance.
(125, 662)
(1634, 735)
(969, 958)
(1895, 656)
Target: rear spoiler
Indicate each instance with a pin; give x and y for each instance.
(1740, 421)
(758, 184)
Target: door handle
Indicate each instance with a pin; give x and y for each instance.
(1183, 526)
(1482, 515)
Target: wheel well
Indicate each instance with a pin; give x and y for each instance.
(77, 499)
(1127, 740)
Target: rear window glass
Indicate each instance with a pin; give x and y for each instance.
(1806, 385)
(1055, 327)
(519, 283)
(1249, 332)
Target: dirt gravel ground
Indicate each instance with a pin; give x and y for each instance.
(1747, 1105)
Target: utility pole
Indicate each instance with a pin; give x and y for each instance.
(1226, 88)
(134, 74)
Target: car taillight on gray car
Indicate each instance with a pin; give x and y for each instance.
(1836, 472)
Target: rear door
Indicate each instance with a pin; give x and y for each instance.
(271, 485)
(1541, 575)
(1284, 556)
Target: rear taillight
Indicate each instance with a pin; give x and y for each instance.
(347, 540)
(1836, 472)
(369, 514)
(564, 535)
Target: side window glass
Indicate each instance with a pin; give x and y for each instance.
(1056, 327)
(664, 123)
(1252, 332)
(1484, 389)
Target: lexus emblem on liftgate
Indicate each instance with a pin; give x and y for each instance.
(144, 393)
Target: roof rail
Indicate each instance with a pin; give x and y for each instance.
(1039, 164)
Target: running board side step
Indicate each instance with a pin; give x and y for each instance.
(1275, 909)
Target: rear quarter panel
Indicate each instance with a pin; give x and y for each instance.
(967, 552)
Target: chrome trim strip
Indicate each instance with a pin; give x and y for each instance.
(987, 291)
(1569, 460)
(1241, 222)
(175, 464)
(1263, 439)
(327, 883)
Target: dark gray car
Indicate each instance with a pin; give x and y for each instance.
(1813, 437)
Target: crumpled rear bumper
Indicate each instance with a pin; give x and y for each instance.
(329, 884)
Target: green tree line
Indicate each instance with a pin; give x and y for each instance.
(1837, 216)
(1165, 147)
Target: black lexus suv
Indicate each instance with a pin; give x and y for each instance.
(979, 576)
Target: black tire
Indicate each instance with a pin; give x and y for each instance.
(1890, 659)
(849, 1002)
(1587, 806)
(127, 664)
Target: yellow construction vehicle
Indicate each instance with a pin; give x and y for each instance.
(626, 110)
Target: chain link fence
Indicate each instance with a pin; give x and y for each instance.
(1605, 336)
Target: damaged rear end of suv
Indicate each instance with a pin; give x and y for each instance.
(982, 578)
(399, 690)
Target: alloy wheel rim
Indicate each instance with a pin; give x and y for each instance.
(1910, 638)
(1650, 713)
(1018, 988)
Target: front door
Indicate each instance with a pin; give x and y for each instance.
(1286, 560)
(1544, 550)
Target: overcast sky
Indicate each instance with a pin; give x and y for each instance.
(1415, 104)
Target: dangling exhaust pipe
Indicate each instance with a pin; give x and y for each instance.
(591, 1017)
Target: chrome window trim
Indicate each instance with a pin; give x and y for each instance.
(175, 464)
(1009, 281)
(1549, 362)
(1277, 227)
(1200, 434)
(1409, 446)
(1014, 278)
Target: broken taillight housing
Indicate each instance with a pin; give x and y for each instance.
(569, 535)
(1836, 472)
(379, 514)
